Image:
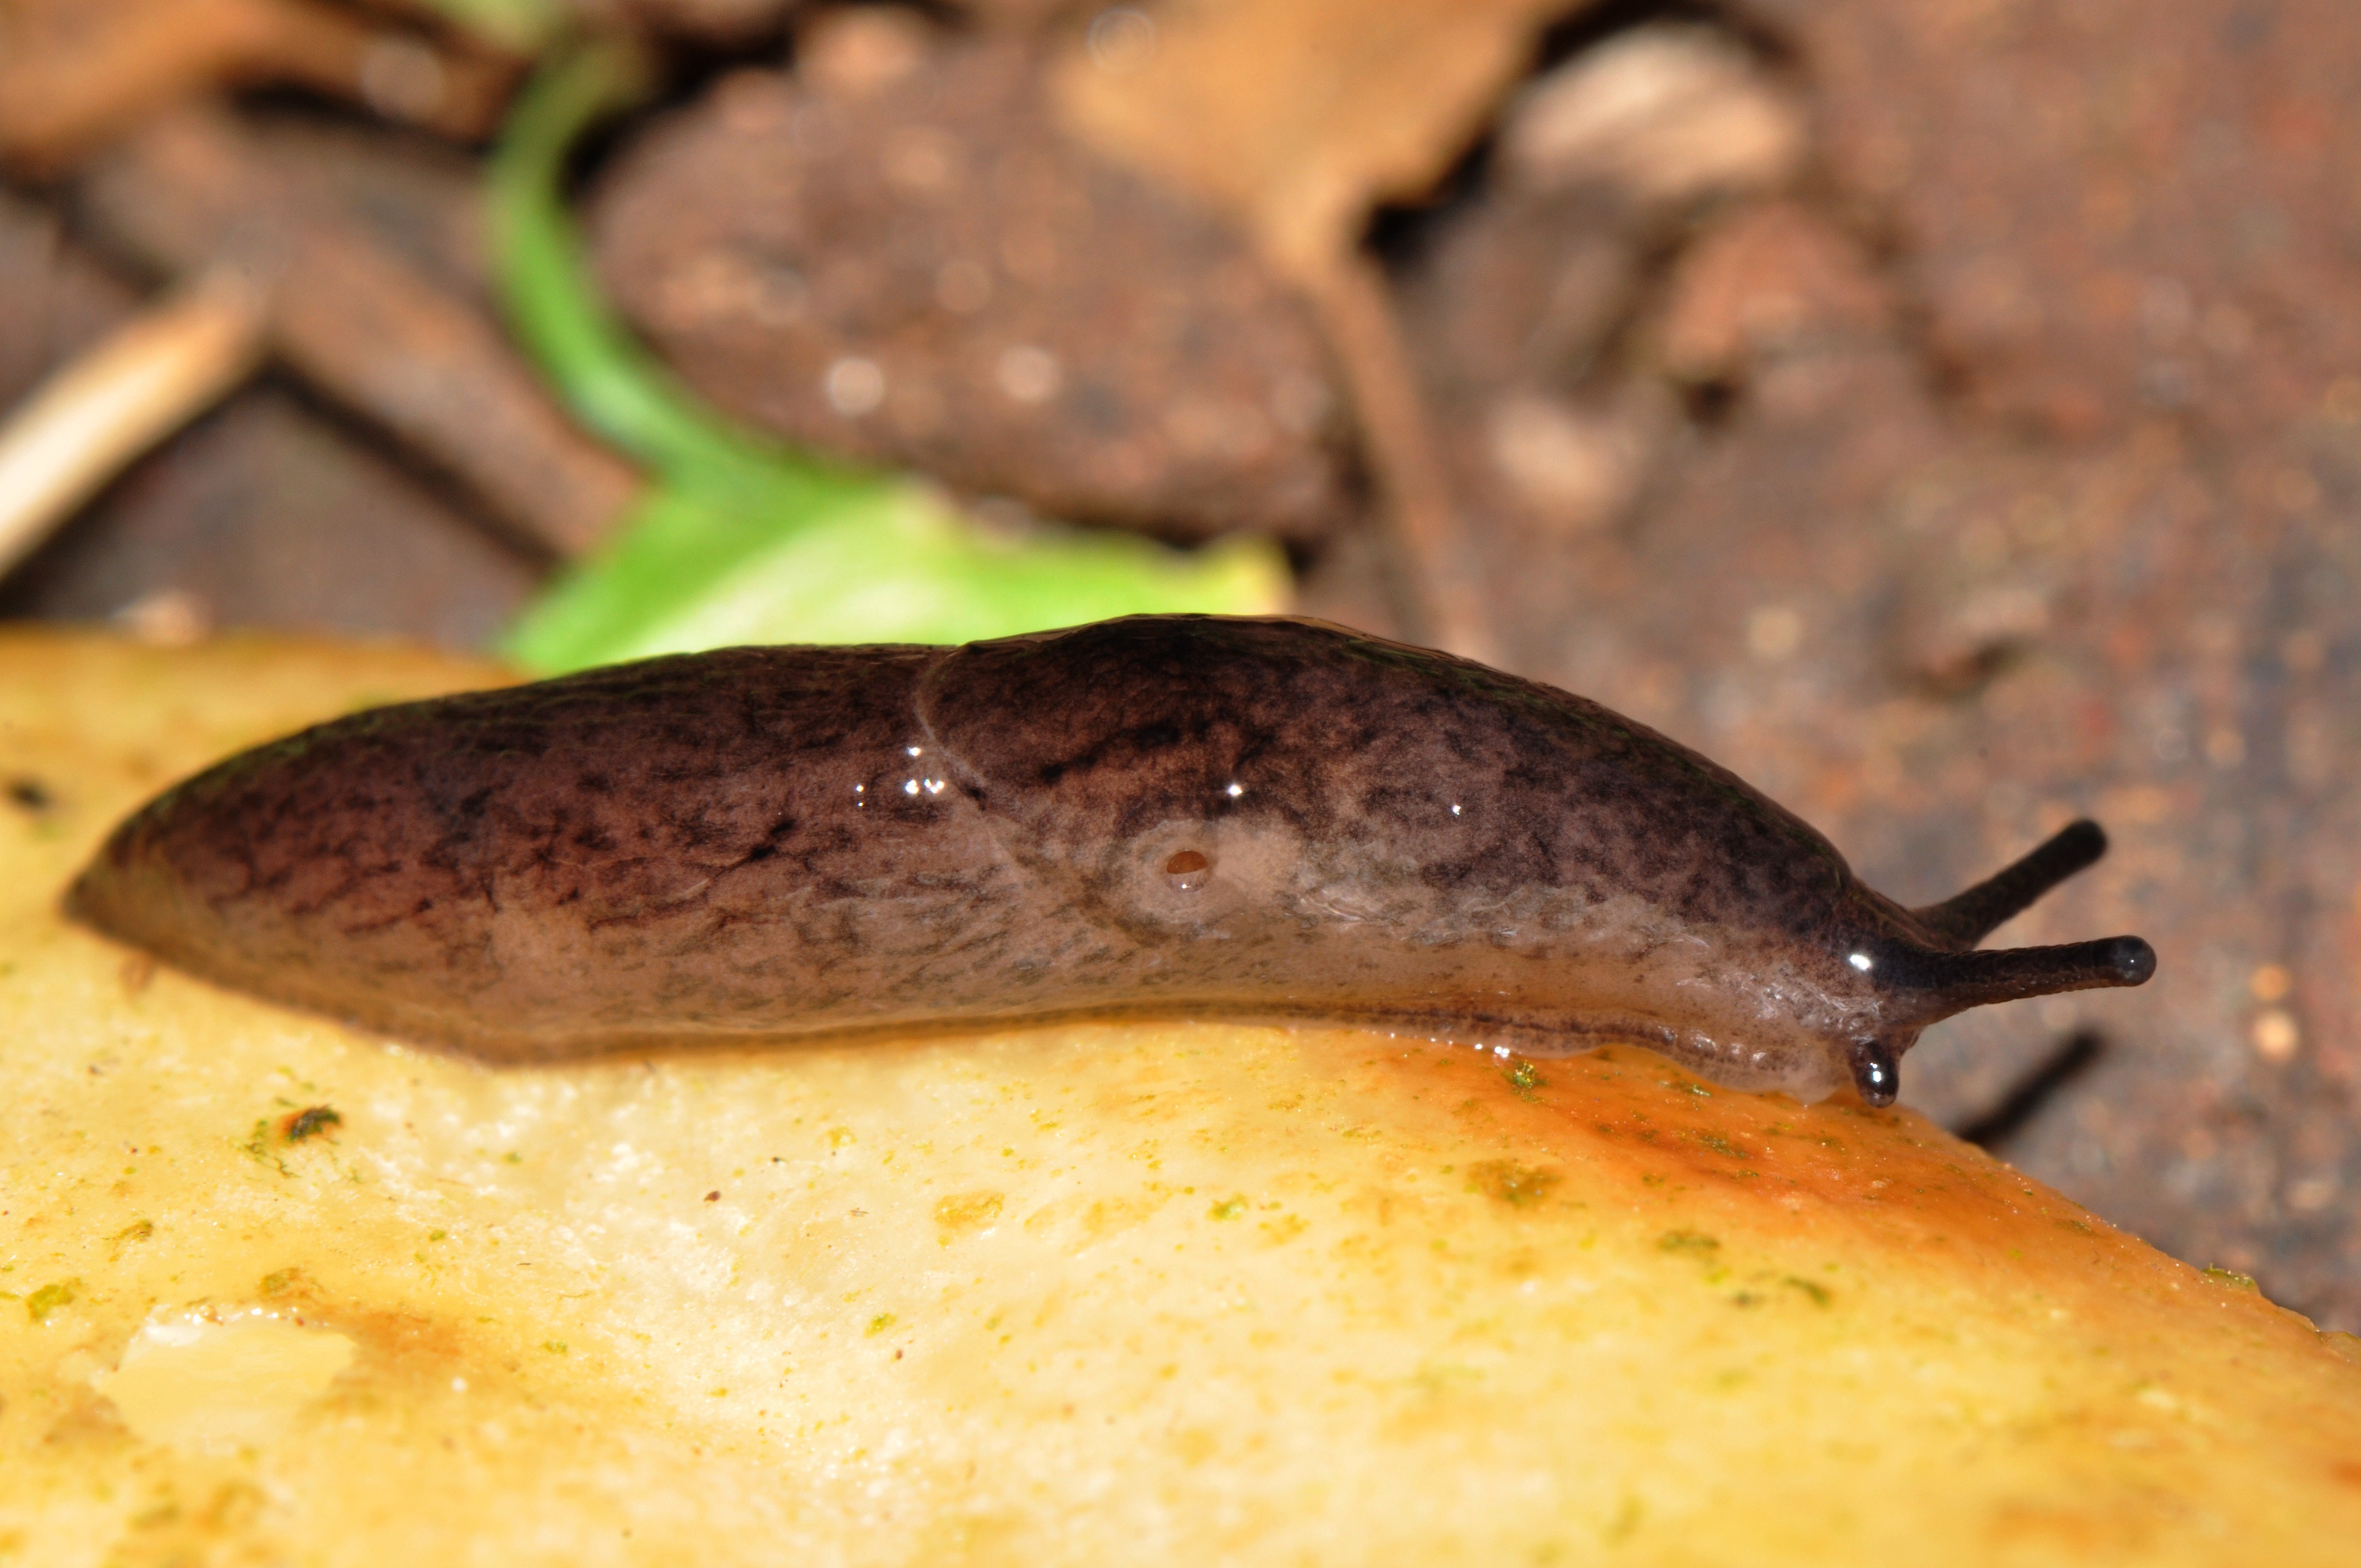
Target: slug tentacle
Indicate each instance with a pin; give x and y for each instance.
(1943, 983)
(1876, 1074)
(1964, 919)
(1195, 816)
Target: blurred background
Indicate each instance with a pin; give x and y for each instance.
(1947, 413)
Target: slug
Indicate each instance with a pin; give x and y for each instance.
(1164, 816)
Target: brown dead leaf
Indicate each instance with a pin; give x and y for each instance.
(75, 74)
(1296, 118)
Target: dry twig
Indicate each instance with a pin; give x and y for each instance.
(120, 397)
(364, 326)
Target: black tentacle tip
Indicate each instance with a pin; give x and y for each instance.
(1877, 1076)
(2081, 841)
(2131, 961)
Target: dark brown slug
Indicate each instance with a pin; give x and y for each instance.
(1168, 816)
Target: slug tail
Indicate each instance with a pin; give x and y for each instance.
(1967, 919)
(1954, 982)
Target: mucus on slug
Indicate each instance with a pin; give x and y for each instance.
(1164, 816)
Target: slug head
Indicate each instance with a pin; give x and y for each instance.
(1929, 974)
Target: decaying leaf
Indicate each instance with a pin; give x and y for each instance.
(75, 74)
(1296, 117)
(1669, 113)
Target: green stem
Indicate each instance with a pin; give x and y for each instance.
(553, 304)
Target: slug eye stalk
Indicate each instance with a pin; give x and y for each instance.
(1954, 982)
(1964, 919)
(1957, 977)
(1930, 980)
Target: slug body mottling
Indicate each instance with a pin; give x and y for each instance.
(1158, 817)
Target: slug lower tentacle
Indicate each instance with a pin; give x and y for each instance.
(1263, 819)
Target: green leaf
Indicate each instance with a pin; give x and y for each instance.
(892, 566)
(520, 25)
(739, 539)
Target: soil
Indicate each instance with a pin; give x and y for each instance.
(929, 274)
